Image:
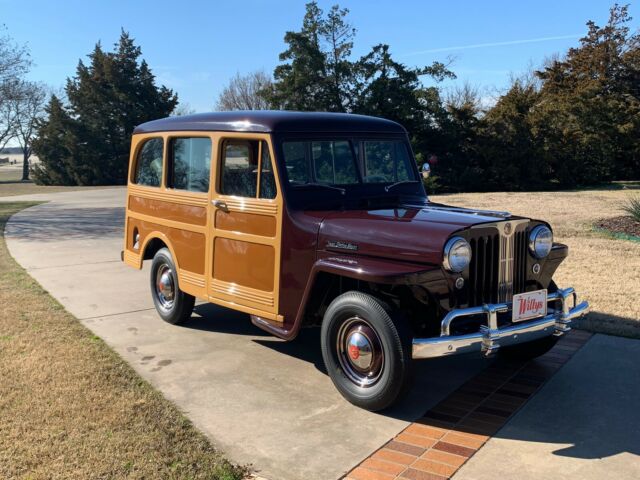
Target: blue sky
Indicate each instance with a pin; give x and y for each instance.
(194, 47)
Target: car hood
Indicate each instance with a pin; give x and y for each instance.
(409, 233)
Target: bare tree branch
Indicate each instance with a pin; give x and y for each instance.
(244, 92)
(27, 104)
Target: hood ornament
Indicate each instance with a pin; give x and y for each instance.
(507, 228)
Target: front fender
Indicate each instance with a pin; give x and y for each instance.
(366, 269)
(374, 270)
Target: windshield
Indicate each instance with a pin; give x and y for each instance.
(345, 162)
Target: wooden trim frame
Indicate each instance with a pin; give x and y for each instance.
(248, 298)
(170, 214)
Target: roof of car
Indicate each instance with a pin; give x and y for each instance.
(272, 121)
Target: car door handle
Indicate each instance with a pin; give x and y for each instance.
(220, 204)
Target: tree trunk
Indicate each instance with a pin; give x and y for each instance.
(25, 165)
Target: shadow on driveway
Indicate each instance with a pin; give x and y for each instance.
(593, 403)
(433, 379)
(54, 224)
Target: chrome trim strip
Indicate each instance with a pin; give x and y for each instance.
(506, 263)
(490, 338)
(469, 211)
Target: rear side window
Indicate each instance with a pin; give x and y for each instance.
(190, 164)
(246, 169)
(149, 163)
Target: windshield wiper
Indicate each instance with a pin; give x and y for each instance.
(319, 185)
(402, 182)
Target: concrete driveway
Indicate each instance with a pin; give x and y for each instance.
(261, 400)
(584, 424)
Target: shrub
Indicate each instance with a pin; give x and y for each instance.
(632, 207)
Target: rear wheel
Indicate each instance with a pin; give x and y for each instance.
(366, 348)
(172, 304)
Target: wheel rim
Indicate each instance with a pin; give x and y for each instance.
(360, 352)
(165, 287)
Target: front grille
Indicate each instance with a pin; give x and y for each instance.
(520, 261)
(483, 270)
(498, 262)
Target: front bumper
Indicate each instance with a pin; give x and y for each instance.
(490, 337)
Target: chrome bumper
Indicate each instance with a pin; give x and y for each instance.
(490, 338)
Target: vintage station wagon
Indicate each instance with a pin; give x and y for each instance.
(302, 219)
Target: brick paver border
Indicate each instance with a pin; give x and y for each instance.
(435, 446)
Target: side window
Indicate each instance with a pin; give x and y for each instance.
(239, 168)
(190, 160)
(241, 162)
(149, 163)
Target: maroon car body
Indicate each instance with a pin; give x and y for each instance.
(389, 275)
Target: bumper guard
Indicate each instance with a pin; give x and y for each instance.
(490, 338)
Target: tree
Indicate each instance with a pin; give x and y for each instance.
(300, 82)
(107, 99)
(14, 59)
(589, 118)
(389, 89)
(56, 145)
(511, 152)
(14, 64)
(318, 74)
(245, 92)
(28, 105)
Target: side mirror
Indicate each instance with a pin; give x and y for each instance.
(426, 170)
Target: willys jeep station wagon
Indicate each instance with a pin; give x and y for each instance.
(303, 219)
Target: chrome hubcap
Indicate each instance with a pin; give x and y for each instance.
(360, 352)
(165, 289)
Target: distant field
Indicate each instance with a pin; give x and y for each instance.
(603, 270)
(10, 184)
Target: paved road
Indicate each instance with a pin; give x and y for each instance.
(261, 400)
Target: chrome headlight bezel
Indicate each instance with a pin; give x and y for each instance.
(540, 241)
(454, 250)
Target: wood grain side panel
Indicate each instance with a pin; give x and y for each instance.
(247, 264)
(165, 210)
(189, 247)
(250, 223)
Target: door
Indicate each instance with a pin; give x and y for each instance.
(247, 220)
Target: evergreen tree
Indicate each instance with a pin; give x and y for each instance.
(56, 142)
(511, 155)
(107, 99)
(301, 82)
(589, 119)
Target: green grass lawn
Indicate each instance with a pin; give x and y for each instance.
(70, 407)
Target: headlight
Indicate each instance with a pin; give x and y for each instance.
(540, 241)
(457, 254)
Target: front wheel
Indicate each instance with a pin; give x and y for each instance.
(172, 304)
(366, 349)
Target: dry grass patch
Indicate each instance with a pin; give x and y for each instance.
(11, 185)
(603, 270)
(72, 408)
